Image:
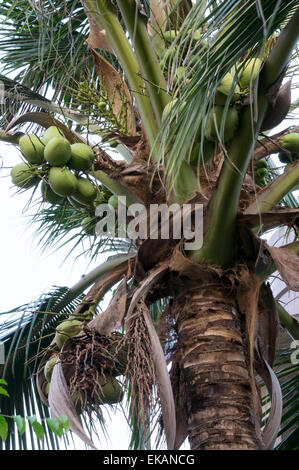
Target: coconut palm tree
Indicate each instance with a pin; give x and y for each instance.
(187, 92)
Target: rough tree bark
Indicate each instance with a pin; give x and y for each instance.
(214, 360)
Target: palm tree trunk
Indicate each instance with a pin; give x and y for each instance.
(215, 366)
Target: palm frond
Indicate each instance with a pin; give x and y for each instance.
(26, 331)
(60, 227)
(288, 375)
(43, 48)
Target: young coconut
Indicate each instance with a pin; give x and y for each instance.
(67, 329)
(88, 225)
(58, 151)
(112, 393)
(32, 148)
(49, 366)
(208, 151)
(49, 195)
(290, 142)
(85, 192)
(170, 36)
(224, 89)
(113, 201)
(62, 181)
(52, 132)
(214, 123)
(22, 176)
(47, 389)
(169, 107)
(82, 157)
(262, 163)
(249, 72)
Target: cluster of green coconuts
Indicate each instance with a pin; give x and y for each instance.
(290, 152)
(112, 392)
(219, 122)
(62, 167)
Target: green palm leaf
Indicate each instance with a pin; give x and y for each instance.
(25, 332)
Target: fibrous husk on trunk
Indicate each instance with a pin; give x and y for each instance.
(256, 303)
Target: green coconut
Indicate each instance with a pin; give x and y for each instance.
(230, 126)
(58, 151)
(112, 392)
(113, 201)
(82, 157)
(196, 35)
(224, 89)
(290, 142)
(170, 36)
(208, 151)
(52, 132)
(32, 148)
(65, 330)
(88, 225)
(169, 107)
(47, 389)
(261, 172)
(49, 195)
(85, 192)
(22, 176)
(62, 181)
(249, 72)
(262, 163)
(49, 366)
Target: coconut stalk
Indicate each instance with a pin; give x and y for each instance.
(276, 191)
(91, 278)
(220, 238)
(116, 187)
(104, 15)
(147, 59)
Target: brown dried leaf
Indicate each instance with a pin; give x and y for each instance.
(267, 324)
(271, 219)
(141, 292)
(271, 429)
(178, 388)
(247, 298)
(287, 263)
(117, 92)
(45, 120)
(102, 286)
(97, 38)
(61, 404)
(113, 316)
(163, 380)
